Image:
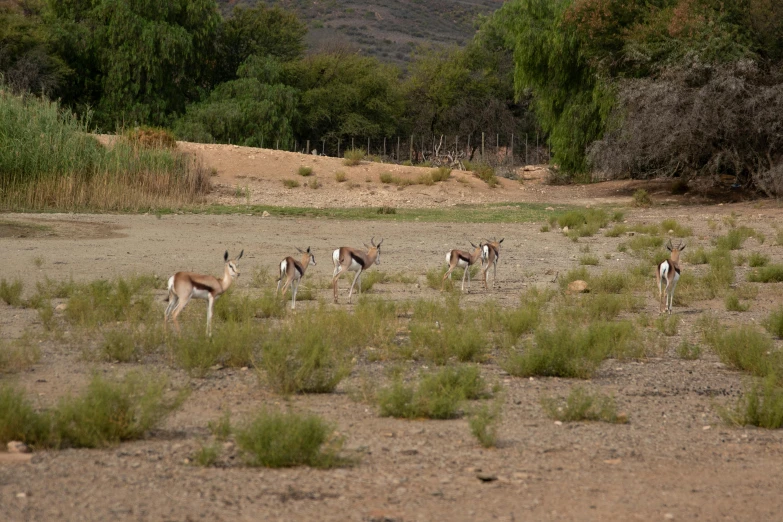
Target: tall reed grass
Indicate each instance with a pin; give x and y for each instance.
(52, 162)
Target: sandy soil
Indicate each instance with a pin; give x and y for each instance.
(675, 460)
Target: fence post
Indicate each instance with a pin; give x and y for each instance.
(277, 144)
(512, 150)
(482, 146)
(368, 146)
(398, 149)
(537, 160)
(526, 161)
(352, 146)
(467, 154)
(410, 151)
(384, 147)
(307, 149)
(323, 147)
(262, 142)
(338, 147)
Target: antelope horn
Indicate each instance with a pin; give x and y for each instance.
(372, 241)
(299, 250)
(379, 243)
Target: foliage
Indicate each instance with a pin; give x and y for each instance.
(277, 440)
(767, 274)
(580, 405)
(484, 420)
(11, 292)
(19, 420)
(774, 323)
(254, 110)
(761, 405)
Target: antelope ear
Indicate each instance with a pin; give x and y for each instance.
(308, 250)
(225, 256)
(240, 254)
(669, 248)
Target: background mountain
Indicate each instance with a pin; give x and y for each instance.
(387, 29)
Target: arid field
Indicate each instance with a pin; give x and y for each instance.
(668, 436)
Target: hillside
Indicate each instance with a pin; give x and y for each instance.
(388, 30)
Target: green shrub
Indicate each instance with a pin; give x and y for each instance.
(221, 428)
(11, 293)
(307, 355)
(668, 324)
(119, 345)
(353, 157)
(290, 183)
(108, 413)
(340, 176)
(18, 355)
(774, 323)
(758, 259)
(616, 231)
(305, 171)
(688, 351)
(437, 396)
(676, 229)
(641, 198)
(207, 456)
(19, 421)
(232, 344)
(439, 342)
(733, 303)
(386, 177)
(734, 238)
(766, 274)
(761, 405)
(573, 352)
(484, 420)
(588, 260)
(386, 210)
(580, 405)
(278, 440)
(486, 174)
(521, 320)
(610, 282)
(697, 257)
(745, 348)
(102, 302)
(639, 243)
(440, 174)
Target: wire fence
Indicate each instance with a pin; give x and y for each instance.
(504, 153)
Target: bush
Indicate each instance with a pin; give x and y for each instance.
(761, 405)
(676, 229)
(734, 238)
(757, 259)
(747, 349)
(588, 260)
(438, 395)
(11, 293)
(353, 157)
(151, 137)
(340, 176)
(570, 352)
(108, 413)
(290, 183)
(767, 274)
(580, 405)
(688, 351)
(305, 171)
(440, 174)
(19, 421)
(101, 302)
(232, 344)
(483, 422)
(486, 174)
(733, 303)
(641, 198)
(774, 323)
(279, 440)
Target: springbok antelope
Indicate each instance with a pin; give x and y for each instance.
(293, 271)
(347, 259)
(490, 255)
(185, 285)
(462, 259)
(669, 271)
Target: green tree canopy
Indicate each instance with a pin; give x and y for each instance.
(344, 94)
(136, 61)
(253, 110)
(260, 31)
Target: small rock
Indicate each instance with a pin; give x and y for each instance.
(16, 446)
(486, 477)
(61, 307)
(558, 423)
(668, 516)
(705, 428)
(21, 495)
(265, 214)
(578, 287)
(565, 229)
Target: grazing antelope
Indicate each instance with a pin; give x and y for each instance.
(347, 259)
(185, 285)
(293, 271)
(669, 271)
(462, 259)
(490, 255)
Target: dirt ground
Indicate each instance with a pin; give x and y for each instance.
(674, 460)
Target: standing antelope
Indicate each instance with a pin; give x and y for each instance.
(462, 259)
(185, 285)
(293, 271)
(347, 259)
(669, 271)
(490, 255)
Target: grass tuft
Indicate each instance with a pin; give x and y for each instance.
(641, 198)
(11, 293)
(761, 405)
(688, 351)
(484, 422)
(340, 176)
(290, 183)
(280, 440)
(580, 405)
(766, 274)
(774, 323)
(305, 171)
(353, 157)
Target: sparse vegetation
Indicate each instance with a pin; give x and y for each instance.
(437, 395)
(484, 422)
(353, 157)
(340, 176)
(774, 323)
(581, 405)
(760, 405)
(278, 440)
(641, 198)
(767, 274)
(305, 171)
(11, 292)
(290, 183)
(688, 351)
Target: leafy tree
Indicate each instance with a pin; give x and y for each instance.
(344, 94)
(572, 103)
(138, 61)
(26, 63)
(254, 110)
(260, 31)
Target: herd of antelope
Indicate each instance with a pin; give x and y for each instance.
(183, 286)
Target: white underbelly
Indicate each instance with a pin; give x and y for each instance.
(200, 294)
(354, 267)
(462, 263)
